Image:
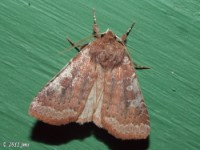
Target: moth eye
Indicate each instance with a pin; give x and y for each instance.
(102, 35)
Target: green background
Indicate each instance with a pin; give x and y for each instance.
(166, 37)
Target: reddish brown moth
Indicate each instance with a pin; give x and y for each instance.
(98, 85)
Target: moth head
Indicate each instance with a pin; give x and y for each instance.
(110, 37)
(108, 34)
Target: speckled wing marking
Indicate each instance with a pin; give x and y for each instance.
(124, 113)
(63, 99)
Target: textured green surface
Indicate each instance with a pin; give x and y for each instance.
(166, 37)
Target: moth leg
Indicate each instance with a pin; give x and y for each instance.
(140, 67)
(124, 37)
(73, 44)
(95, 26)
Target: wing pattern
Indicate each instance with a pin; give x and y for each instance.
(124, 113)
(63, 99)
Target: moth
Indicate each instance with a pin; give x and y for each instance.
(98, 85)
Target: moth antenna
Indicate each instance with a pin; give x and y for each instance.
(76, 45)
(124, 37)
(73, 44)
(95, 26)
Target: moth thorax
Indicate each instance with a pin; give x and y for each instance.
(108, 56)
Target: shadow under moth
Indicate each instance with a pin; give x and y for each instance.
(98, 85)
